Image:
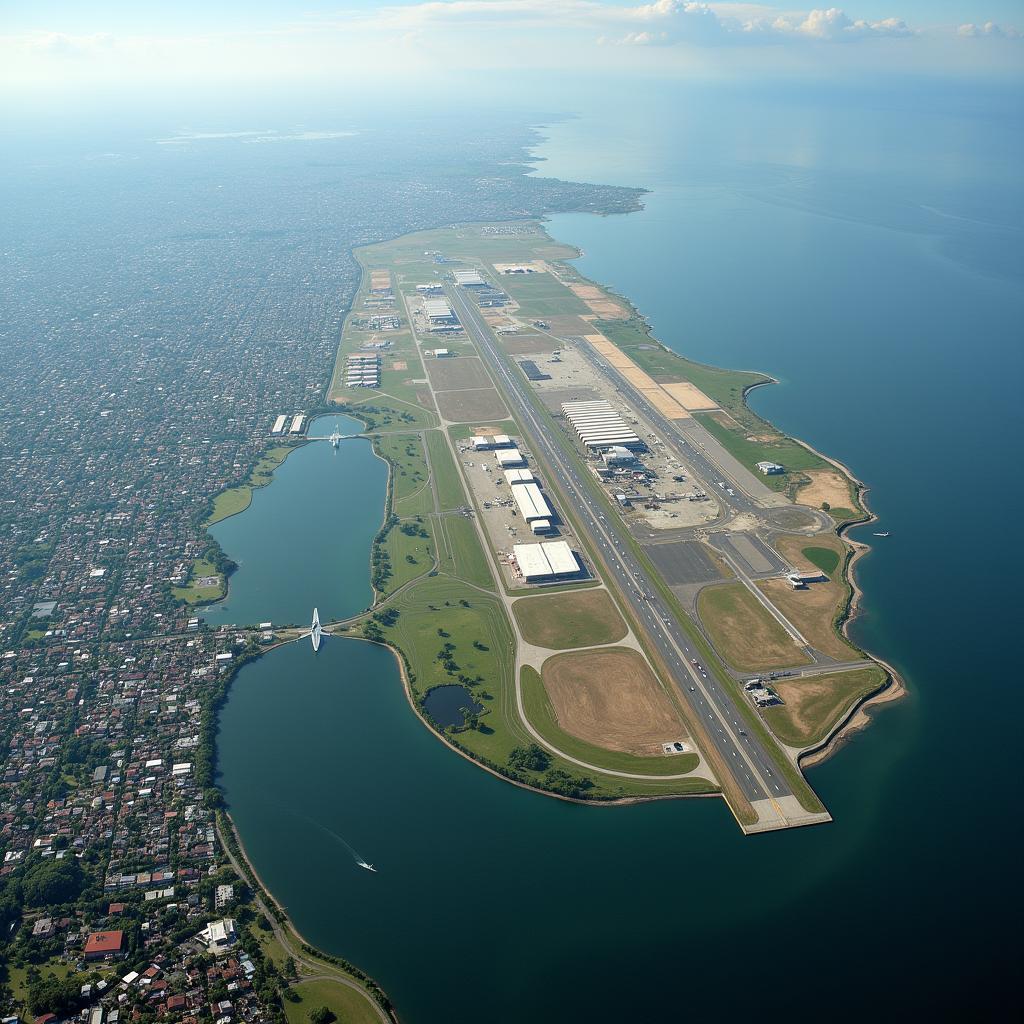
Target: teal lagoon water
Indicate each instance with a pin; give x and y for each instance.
(304, 541)
(899, 352)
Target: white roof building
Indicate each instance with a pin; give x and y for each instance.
(519, 476)
(437, 309)
(546, 561)
(509, 457)
(219, 936)
(532, 504)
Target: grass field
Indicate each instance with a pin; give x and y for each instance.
(767, 445)
(450, 494)
(195, 594)
(349, 1006)
(382, 413)
(471, 405)
(542, 295)
(744, 632)
(573, 619)
(814, 611)
(411, 492)
(411, 555)
(815, 704)
(436, 602)
(237, 499)
(541, 714)
(460, 551)
(826, 559)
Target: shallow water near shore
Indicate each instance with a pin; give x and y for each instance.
(897, 359)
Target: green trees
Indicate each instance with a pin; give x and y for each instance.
(321, 1015)
(53, 881)
(51, 994)
(531, 758)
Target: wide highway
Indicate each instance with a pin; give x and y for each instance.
(754, 771)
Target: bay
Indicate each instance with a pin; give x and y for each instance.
(304, 541)
(897, 352)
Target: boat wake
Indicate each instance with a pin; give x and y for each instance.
(353, 852)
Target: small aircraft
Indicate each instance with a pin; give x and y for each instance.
(315, 634)
(368, 867)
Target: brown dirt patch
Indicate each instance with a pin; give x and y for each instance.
(611, 699)
(467, 406)
(399, 364)
(689, 396)
(457, 372)
(587, 291)
(608, 310)
(826, 485)
(560, 621)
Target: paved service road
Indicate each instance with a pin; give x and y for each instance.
(754, 771)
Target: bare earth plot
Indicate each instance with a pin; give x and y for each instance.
(744, 632)
(814, 704)
(460, 372)
(611, 698)
(471, 405)
(826, 485)
(560, 621)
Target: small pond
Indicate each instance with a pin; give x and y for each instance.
(447, 705)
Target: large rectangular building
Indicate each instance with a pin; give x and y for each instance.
(297, 424)
(483, 443)
(532, 504)
(507, 457)
(468, 278)
(438, 311)
(279, 423)
(548, 561)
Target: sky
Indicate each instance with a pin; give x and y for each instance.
(54, 50)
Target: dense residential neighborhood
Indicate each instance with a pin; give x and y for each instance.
(141, 376)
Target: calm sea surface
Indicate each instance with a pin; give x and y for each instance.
(807, 249)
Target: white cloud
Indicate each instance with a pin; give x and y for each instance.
(401, 44)
(990, 28)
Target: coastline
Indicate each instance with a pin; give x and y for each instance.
(858, 716)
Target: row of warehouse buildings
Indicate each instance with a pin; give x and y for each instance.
(288, 425)
(599, 426)
(536, 563)
(362, 370)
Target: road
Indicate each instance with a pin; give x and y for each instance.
(757, 777)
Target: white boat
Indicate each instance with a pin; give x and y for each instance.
(886, 534)
(335, 439)
(368, 867)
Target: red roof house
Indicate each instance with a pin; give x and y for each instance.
(101, 944)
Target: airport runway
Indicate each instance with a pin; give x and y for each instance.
(753, 769)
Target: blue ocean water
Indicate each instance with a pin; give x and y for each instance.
(802, 239)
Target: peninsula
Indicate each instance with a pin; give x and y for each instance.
(605, 576)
